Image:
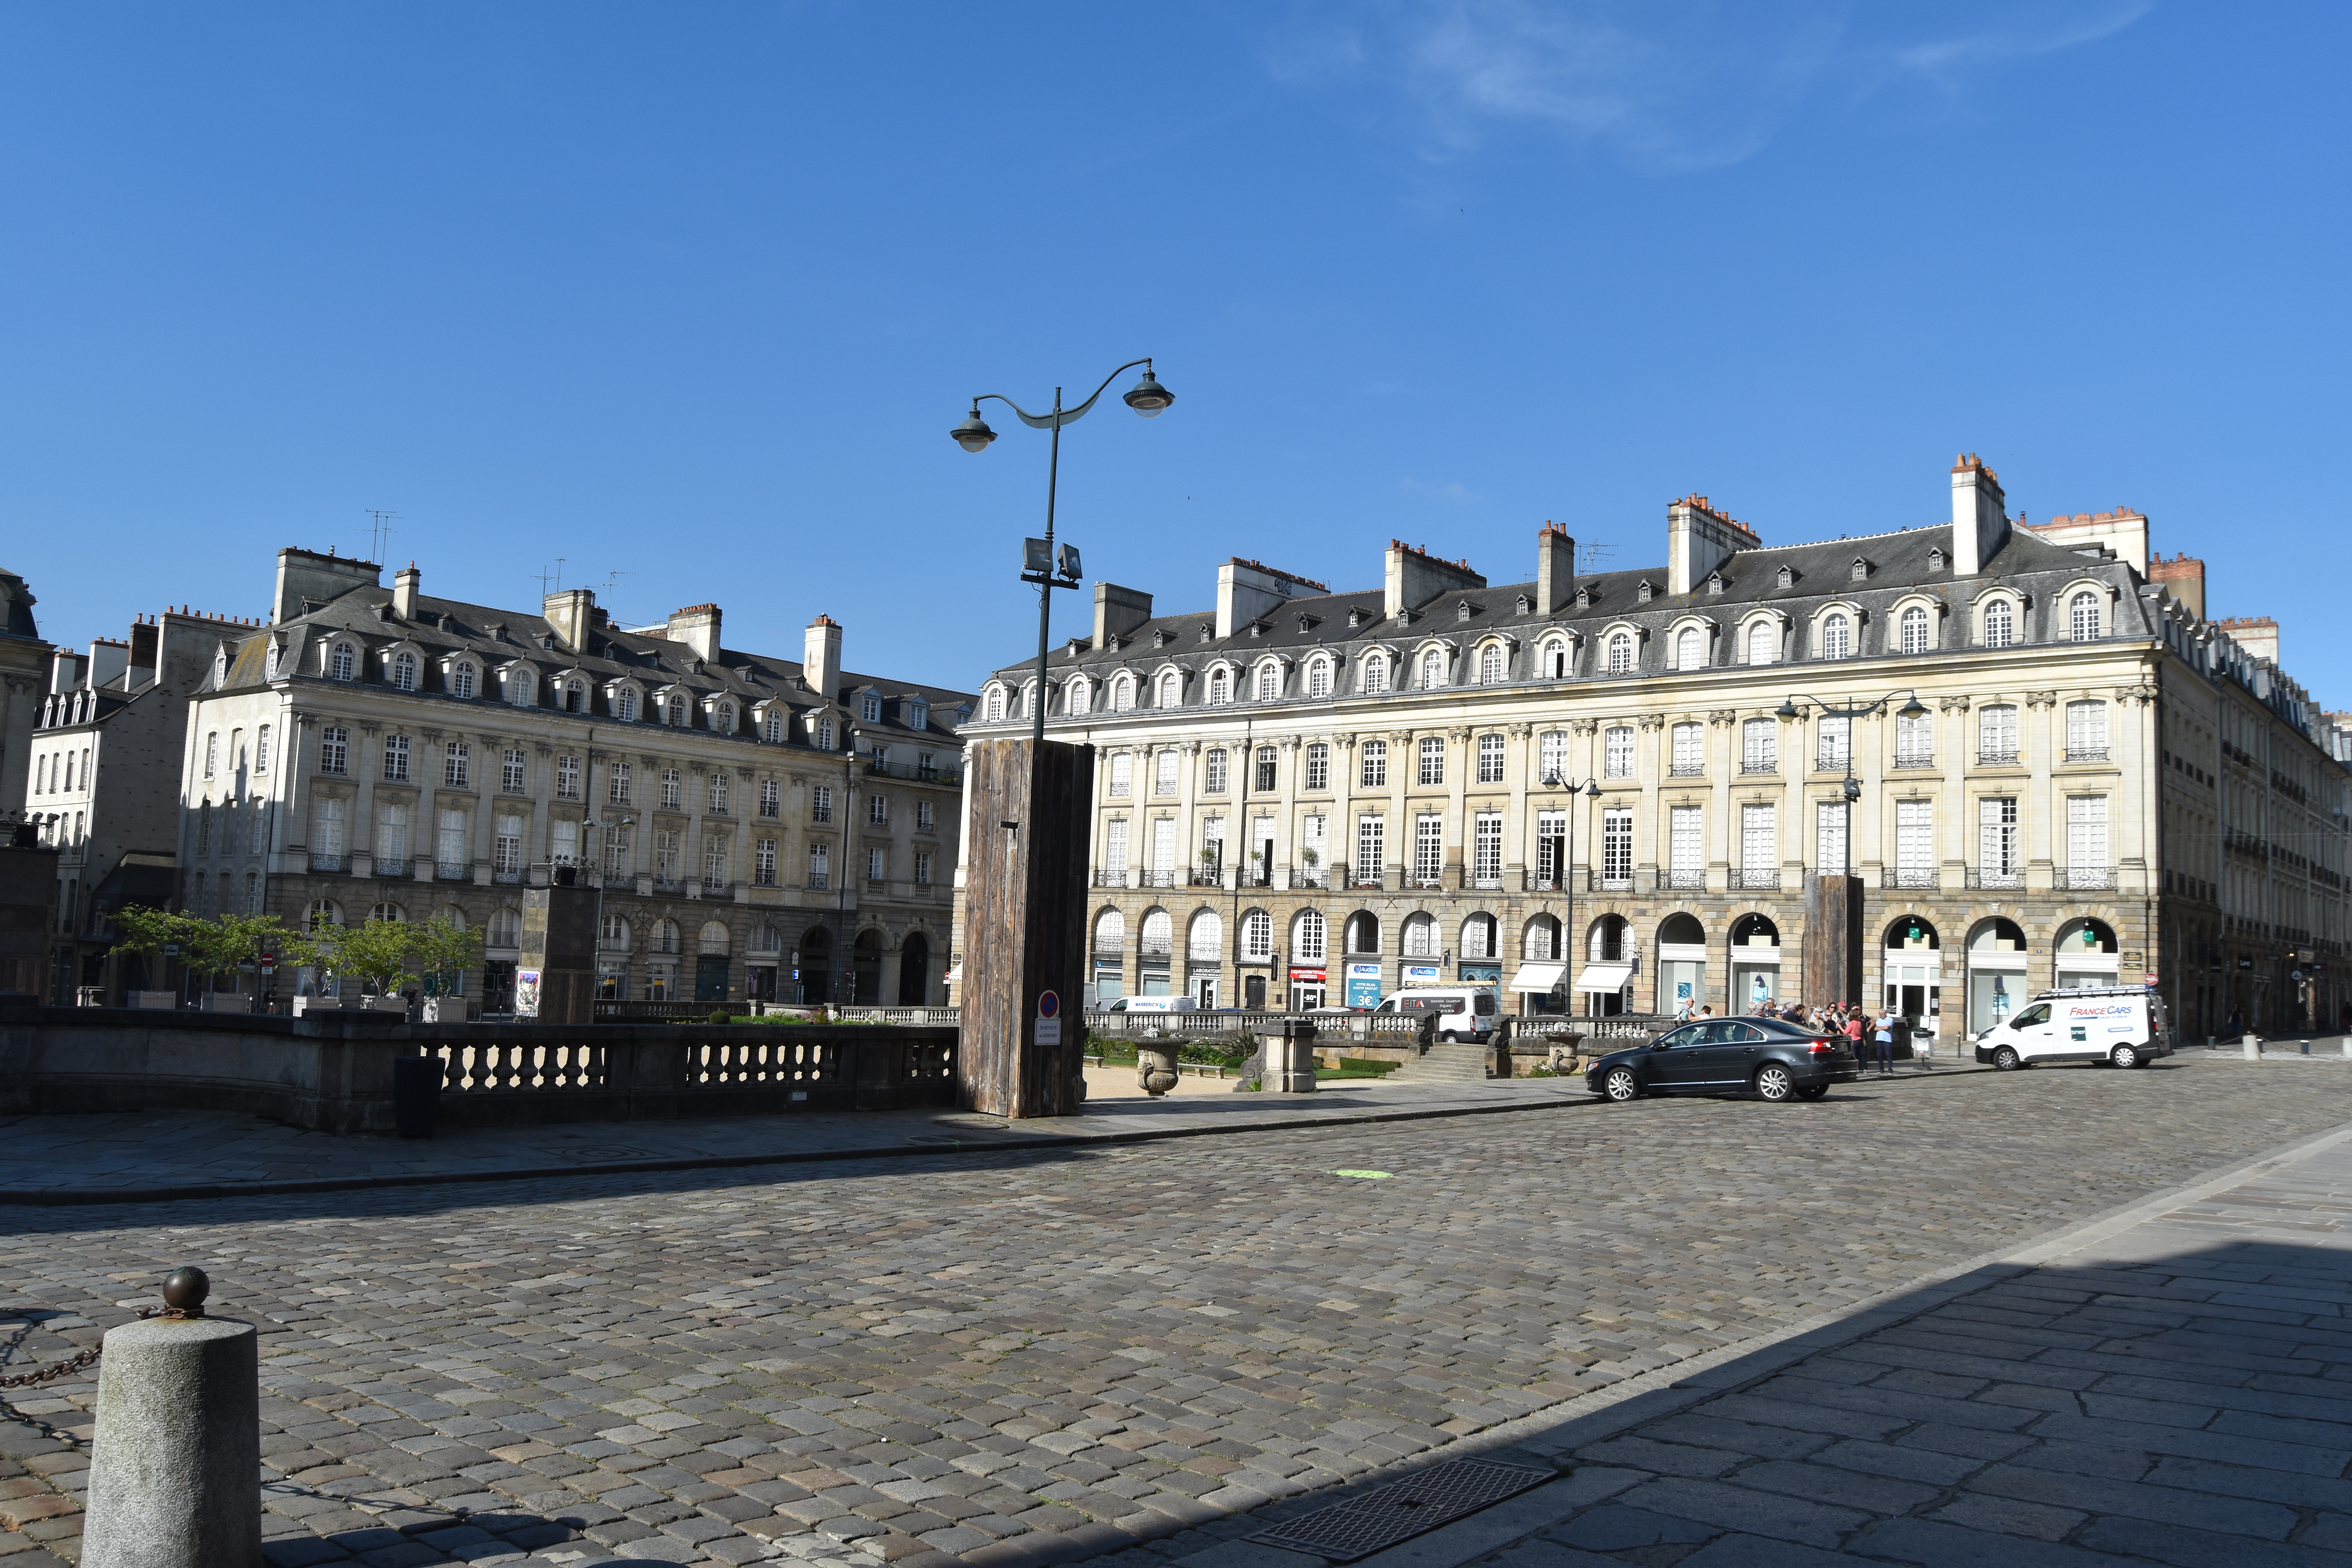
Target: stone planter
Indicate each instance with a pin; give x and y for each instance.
(441, 1010)
(1155, 1066)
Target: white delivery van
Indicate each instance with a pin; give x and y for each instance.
(1464, 1013)
(2125, 1025)
(1150, 1005)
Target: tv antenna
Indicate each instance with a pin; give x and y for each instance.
(612, 582)
(379, 531)
(1594, 554)
(556, 576)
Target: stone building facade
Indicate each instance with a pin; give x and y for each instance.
(106, 737)
(24, 677)
(1604, 792)
(757, 826)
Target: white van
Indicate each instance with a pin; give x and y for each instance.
(1464, 1013)
(2125, 1025)
(1150, 1005)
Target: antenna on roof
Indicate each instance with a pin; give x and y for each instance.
(379, 531)
(555, 576)
(1594, 554)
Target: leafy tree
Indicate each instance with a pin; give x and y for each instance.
(445, 951)
(380, 950)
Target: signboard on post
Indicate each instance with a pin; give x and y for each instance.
(1049, 1019)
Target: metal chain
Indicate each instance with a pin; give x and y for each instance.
(88, 1358)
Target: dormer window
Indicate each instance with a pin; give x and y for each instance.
(1584, 599)
(677, 711)
(462, 680)
(1860, 571)
(1643, 592)
(1161, 637)
(1787, 578)
(1935, 560)
(404, 672)
(1714, 584)
(1522, 605)
(624, 704)
(1306, 624)
(1355, 618)
(220, 665)
(1203, 633)
(869, 708)
(1463, 609)
(723, 719)
(269, 662)
(342, 662)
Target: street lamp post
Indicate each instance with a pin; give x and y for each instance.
(1851, 789)
(1591, 790)
(1040, 563)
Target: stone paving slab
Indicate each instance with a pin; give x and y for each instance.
(158, 1155)
(2172, 1384)
(1041, 1356)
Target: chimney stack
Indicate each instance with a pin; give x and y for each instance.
(570, 612)
(1247, 589)
(1698, 540)
(144, 636)
(1979, 515)
(697, 626)
(1555, 569)
(66, 668)
(307, 576)
(107, 661)
(1414, 577)
(404, 591)
(1118, 611)
(820, 657)
(2183, 577)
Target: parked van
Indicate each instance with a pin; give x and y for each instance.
(2125, 1025)
(1150, 1005)
(1464, 1013)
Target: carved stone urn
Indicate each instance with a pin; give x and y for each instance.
(1155, 1065)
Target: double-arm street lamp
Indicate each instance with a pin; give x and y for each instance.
(1911, 709)
(1568, 942)
(1040, 563)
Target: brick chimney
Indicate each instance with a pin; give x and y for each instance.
(404, 591)
(1979, 515)
(1555, 569)
(1415, 578)
(2183, 577)
(820, 657)
(1699, 539)
(2258, 635)
(2123, 531)
(697, 626)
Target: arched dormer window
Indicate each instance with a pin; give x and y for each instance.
(2082, 618)
(1490, 665)
(677, 711)
(1555, 659)
(1999, 624)
(1269, 681)
(1122, 694)
(1319, 677)
(1081, 696)
(1620, 653)
(269, 662)
(342, 661)
(1912, 629)
(1170, 687)
(404, 671)
(1690, 648)
(461, 679)
(624, 704)
(1221, 686)
(1837, 638)
(1433, 670)
(771, 727)
(1762, 643)
(723, 719)
(1375, 677)
(575, 697)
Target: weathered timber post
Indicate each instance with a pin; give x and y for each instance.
(555, 970)
(1833, 940)
(175, 1470)
(1023, 1025)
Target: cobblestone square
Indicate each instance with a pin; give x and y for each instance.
(1050, 1357)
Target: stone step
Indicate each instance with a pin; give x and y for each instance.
(1458, 1063)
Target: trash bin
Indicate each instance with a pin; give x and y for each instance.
(415, 1094)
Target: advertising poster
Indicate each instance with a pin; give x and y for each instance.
(1420, 974)
(1363, 985)
(526, 993)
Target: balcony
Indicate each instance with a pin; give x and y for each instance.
(1979, 878)
(1428, 881)
(453, 870)
(1742, 879)
(2086, 753)
(1162, 950)
(1363, 877)
(1104, 878)
(1830, 763)
(1156, 880)
(1915, 761)
(1907, 876)
(1206, 877)
(1309, 877)
(387, 867)
(717, 888)
(1491, 883)
(331, 863)
(2087, 878)
(668, 882)
(1691, 879)
(819, 881)
(1609, 882)
(1687, 771)
(1540, 881)
(1759, 765)
(1987, 757)
(507, 874)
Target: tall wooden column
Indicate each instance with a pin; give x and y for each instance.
(1833, 940)
(555, 970)
(1024, 928)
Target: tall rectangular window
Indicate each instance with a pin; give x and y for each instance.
(1690, 750)
(617, 784)
(1914, 744)
(2086, 839)
(764, 863)
(2086, 732)
(1213, 772)
(820, 875)
(922, 868)
(1433, 760)
(1318, 766)
(1163, 850)
(718, 859)
(1551, 753)
(1263, 782)
(261, 750)
(1122, 775)
(672, 785)
(616, 851)
(1551, 847)
(1686, 846)
(506, 849)
(1311, 832)
(327, 833)
(567, 778)
(1836, 745)
(395, 758)
(1367, 849)
(1998, 862)
(1375, 773)
(456, 765)
(1759, 747)
(1428, 847)
(450, 857)
(668, 853)
(334, 750)
(1829, 837)
(877, 811)
(772, 799)
(821, 804)
(1617, 846)
(1997, 733)
(392, 836)
(1759, 846)
(563, 843)
(512, 774)
(1487, 853)
(1490, 758)
(1164, 776)
(1114, 845)
(1617, 752)
(1915, 844)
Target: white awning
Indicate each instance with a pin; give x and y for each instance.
(955, 975)
(1537, 976)
(1604, 977)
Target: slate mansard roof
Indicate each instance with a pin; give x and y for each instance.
(1908, 564)
(495, 637)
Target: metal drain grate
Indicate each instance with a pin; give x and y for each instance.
(1438, 1495)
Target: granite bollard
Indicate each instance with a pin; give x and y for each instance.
(175, 1468)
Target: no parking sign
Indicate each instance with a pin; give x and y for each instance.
(1049, 1018)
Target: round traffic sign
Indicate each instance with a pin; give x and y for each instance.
(1048, 1005)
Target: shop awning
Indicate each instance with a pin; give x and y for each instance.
(1603, 977)
(1538, 977)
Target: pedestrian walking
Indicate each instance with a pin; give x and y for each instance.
(1853, 1027)
(1883, 1031)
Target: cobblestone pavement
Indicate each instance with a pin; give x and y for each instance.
(1047, 1357)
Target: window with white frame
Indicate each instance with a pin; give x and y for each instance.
(719, 792)
(1915, 844)
(995, 705)
(1374, 773)
(1319, 677)
(1617, 752)
(456, 765)
(1367, 848)
(2086, 732)
(1551, 755)
(1319, 766)
(521, 687)
(1490, 665)
(1617, 846)
(450, 857)
(1685, 844)
(513, 771)
(1309, 937)
(1490, 758)
(922, 868)
(820, 871)
(1115, 847)
(772, 798)
(1690, 742)
(1763, 642)
(1479, 937)
(869, 708)
(1169, 686)
(1759, 746)
(1837, 638)
(1914, 740)
(2086, 833)
(1760, 845)
(624, 704)
(1690, 648)
(461, 680)
(395, 758)
(1999, 624)
(1430, 769)
(1269, 681)
(764, 863)
(2083, 620)
(1122, 774)
(1997, 733)
(567, 778)
(616, 783)
(1998, 861)
(1428, 847)
(1212, 772)
(404, 672)
(343, 662)
(821, 804)
(1433, 670)
(1834, 743)
(878, 863)
(1122, 694)
(1555, 661)
(1221, 686)
(1912, 629)
(390, 834)
(506, 849)
(1620, 653)
(1829, 836)
(212, 752)
(1257, 936)
(877, 810)
(1487, 849)
(1419, 938)
(1375, 675)
(1262, 780)
(327, 819)
(1163, 779)
(1081, 696)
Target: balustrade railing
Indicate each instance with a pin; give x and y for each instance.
(2087, 878)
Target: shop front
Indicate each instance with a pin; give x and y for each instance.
(1308, 988)
(1997, 979)
(1755, 964)
(2087, 956)
(1911, 978)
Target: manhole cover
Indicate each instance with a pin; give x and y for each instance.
(1379, 1520)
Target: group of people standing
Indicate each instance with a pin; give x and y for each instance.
(1871, 1036)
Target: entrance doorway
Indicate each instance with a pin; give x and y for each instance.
(815, 962)
(1254, 993)
(915, 970)
(710, 977)
(1205, 992)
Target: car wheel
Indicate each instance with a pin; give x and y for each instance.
(1446, 1037)
(2006, 1060)
(1813, 1091)
(1774, 1082)
(1620, 1085)
(2124, 1056)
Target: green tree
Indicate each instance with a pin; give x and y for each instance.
(444, 950)
(380, 950)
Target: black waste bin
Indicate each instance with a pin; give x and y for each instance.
(415, 1094)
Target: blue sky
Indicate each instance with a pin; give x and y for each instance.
(691, 295)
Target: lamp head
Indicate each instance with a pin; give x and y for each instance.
(1788, 709)
(1914, 708)
(1147, 397)
(1551, 781)
(1592, 789)
(974, 435)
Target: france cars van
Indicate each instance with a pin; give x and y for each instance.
(2123, 1025)
(1150, 1005)
(1464, 1012)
